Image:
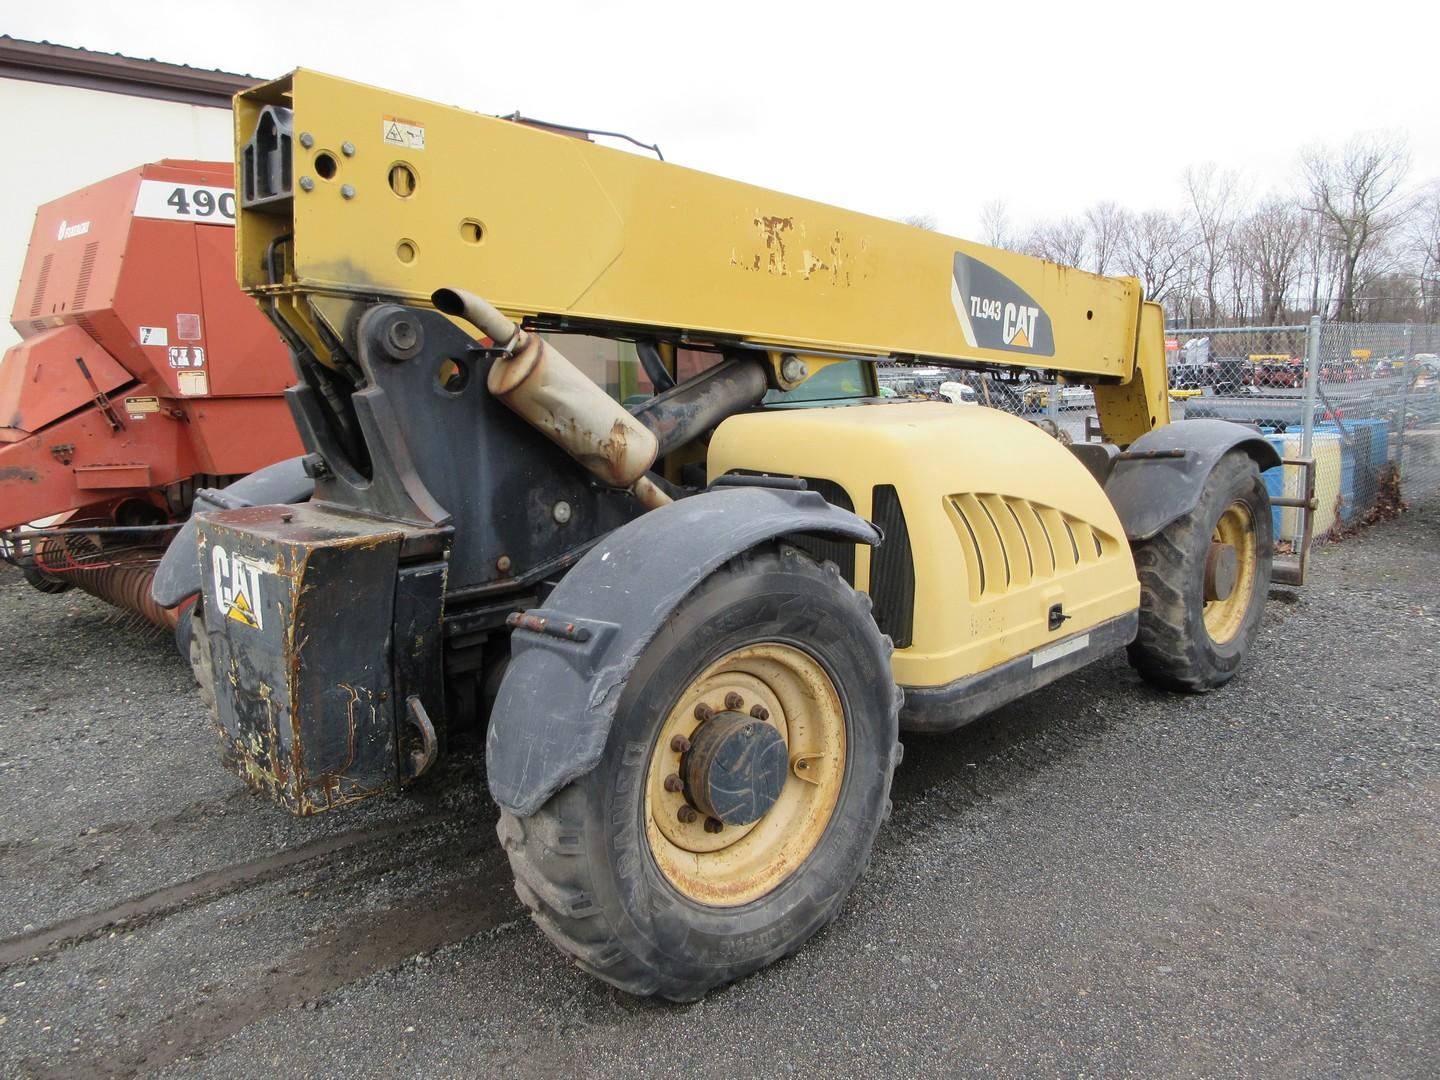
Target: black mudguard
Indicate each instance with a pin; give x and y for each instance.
(1161, 475)
(177, 578)
(570, 659)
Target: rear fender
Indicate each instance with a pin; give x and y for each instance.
(570, 659)
(1161, 476)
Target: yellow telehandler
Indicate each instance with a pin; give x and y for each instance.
(695, 621)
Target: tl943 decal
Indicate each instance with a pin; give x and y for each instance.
(995, 313)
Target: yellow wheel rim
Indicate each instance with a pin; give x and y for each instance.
(741, 863)
(1225, 618)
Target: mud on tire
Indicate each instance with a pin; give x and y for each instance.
(583, 864)
(1174, 648)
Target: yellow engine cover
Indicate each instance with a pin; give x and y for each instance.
(1003, 522)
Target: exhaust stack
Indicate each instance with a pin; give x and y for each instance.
(552, 395)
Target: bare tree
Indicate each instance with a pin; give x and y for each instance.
(1106, 224)
(1212, 196)
(1355, 194)
(1387, 296)
(1273, 238)
(1155, 248)
(995, 227)
(1063, 241)
(1423, 230)
(920, 221)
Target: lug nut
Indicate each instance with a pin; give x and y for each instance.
(674, 783)
(734, 701)
(759, 712)
(686, 814)
(703, 712)
(680, 744)
(713, 825)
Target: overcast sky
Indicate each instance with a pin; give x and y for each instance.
(892, 108)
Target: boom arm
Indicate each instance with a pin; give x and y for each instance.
(353, 192)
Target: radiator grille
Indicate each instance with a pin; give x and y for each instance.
(892, 569)
(1007, 542)
(840, 552)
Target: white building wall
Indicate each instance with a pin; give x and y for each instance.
(63, 138)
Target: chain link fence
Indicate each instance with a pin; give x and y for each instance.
(1362, 399)
(1059, 408)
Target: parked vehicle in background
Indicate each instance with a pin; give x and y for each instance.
(957, 393)
(144, 376)
(1191, 376)
(1037, 397)
(1274, 370)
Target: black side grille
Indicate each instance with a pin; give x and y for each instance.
(840, 552)
(892, 569)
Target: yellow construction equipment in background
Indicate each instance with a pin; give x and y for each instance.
(691, 625)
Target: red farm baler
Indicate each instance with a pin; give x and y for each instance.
(144, 375)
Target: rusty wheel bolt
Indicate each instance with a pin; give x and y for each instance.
(759, 712)
(680, 744)
(674, 783)
(703, 712)
(734, 701)
(686, 814)
(713, 824)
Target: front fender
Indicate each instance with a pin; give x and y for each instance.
(570, 659)
(1150, 491)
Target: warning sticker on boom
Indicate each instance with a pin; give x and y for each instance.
(406, 134)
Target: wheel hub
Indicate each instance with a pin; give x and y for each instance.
(735, 768)
(1222, 571)
(782, 781)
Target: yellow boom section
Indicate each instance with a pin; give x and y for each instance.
(380, 195)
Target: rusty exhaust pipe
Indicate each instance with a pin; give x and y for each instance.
(552, 395)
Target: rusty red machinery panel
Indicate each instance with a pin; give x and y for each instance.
(144, 372)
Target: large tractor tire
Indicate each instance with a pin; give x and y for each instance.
(1204, 579)
(745, 778)
(194, 645)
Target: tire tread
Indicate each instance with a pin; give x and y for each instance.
(556, 885)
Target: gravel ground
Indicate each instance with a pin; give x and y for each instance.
(1100, 880)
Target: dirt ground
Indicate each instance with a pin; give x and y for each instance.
(1100, 879)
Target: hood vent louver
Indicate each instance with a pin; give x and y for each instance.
(1009, 542)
